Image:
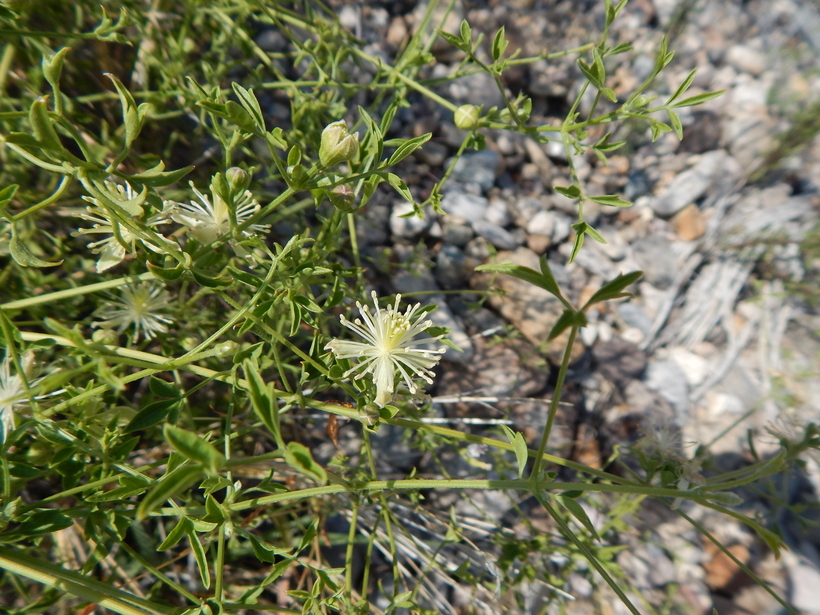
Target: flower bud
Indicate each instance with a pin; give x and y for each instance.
(337, 144)
(343, 198)
(466, 117)
(238, 180)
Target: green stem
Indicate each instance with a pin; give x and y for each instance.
(739, 563)
(556, 398)
(58, 193)
(61, 295)
(590, 557)
(416, 484)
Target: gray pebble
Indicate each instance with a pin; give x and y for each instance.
(477, 168)
(456, 231)
(669, 381)
(465, 206)
(496, 235)
(451, 267)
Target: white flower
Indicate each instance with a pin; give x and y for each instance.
(389, 347)
(111, 249)
(140, 306)
(12, 393)
(208, 222)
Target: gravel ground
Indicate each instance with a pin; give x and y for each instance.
(722, 337)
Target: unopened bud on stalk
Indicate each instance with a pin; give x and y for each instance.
(343, 198)
(238, 179)
(466, 117)
(337, 144)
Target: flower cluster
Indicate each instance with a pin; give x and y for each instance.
(205, 218)
(207, 221)
(389, 347)
(121, 240)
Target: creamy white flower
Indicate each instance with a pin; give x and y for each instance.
(140, 307)
(12, 393)
(389, 348)
(111, 249)
(207, 222)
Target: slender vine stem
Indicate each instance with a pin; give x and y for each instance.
(556, 398)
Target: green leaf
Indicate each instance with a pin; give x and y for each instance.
(192, 447)
(408, 147)
(163, 388)
(545, 281)
(550, 283)
(572, 192)
(455, 41)
(674, 121)
(589, 73)
(155, 178)
(614, 289)
(23, 256)
(402, 601)
(240, 117)
(774, 541)
(567, 319)
(207, 281)
(598, 66)
(263, 400)
(130, 118)
(130, 486)
(609, 94)
(152, 414)
(248, 100)
(400, 187)
(657, 128)
(200, 557)
(609, 11)
(43, 127)
(44, 522)
(182, 527)
(519, 448)
(246, 353)
(664, 57)
(298, 457)
(499, 44)
(276, 139)
(23, 139)
(574, 493)
(294, 156)
(168, 274)
(683, 86)
(579, 513)
(53, 67)
(167, 487)
(6, 195)
(698, 99)
(466, 32)
(613, 200)
(620, 48)
(724, 498)
(582, 228)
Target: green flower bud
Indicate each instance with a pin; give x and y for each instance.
(337, 144)
(343, 198)
(466, 117)
(238, 179)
